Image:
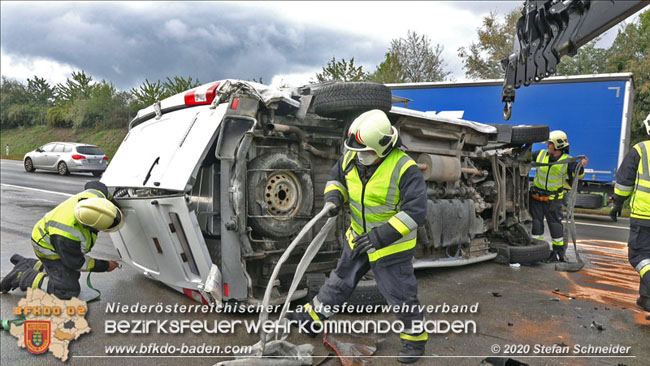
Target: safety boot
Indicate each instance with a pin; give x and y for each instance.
(31, 278)
(557, 254)
(21, 264)
(305, 321)
(410, 353)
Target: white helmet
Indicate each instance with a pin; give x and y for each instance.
(99, 214)
(646, 123)
(559, 139)
(372, 131)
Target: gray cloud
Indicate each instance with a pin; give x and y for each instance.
(209, 41)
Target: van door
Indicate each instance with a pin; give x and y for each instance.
(165, 153)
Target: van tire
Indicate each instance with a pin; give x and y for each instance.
(527, 134)
(340, 99)
(366, 292)
(528, 254)
(62, 168)
(588, 200)
(293, 166)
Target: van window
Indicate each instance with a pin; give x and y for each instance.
(89, 150)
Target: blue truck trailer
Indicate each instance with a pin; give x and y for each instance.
(594, 110)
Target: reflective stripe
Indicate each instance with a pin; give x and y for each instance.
(623, 188)
(336, 185)
(68, 229)
(643, 266)
(399, 226)
(96, 192)
(538, 237)
(38, 265)
(42, 252)
(423, 337)
(37, 280)
(559, 243)
(88, 265)
(643, 171)
(45, 283)
(319, 305)
(407, 243)
(312, 313)
(348, 158)
(407, 220)
(402, 164)
(640, 203)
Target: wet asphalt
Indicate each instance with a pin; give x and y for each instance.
(536, 313)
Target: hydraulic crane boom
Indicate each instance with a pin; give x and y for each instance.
(550, 29)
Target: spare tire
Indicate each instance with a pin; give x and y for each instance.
(280, 194)
(588, 200)
(533, 253)
(339, 99)
(527, 134)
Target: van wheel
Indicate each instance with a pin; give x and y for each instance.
(340, 99)
(527, 134)
(280, 194)
(29, 165)
(63, 169)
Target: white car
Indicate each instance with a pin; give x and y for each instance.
(215, 182)
(66, 157)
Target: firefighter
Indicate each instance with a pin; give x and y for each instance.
(62, 240)
(547, 191)
(633, 179)
(387, 197)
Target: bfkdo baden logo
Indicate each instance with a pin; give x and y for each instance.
(37, 335)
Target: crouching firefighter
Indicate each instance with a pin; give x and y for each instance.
(62, 240)
(547, 191)
(633, 181)
(387, 198)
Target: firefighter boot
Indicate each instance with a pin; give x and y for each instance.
(11, 281)
(644, 293)
(410, 352)
(557, 254)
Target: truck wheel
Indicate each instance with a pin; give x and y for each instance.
(588, 200)
(526, 134)
(366, 292)
(280, 194)
(345, 98)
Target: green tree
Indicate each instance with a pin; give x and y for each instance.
(79, 87)
(42, 94)
(481, 60)
(148, 93)
(341, 71)
(14, 104)
(589, 60)
(388, 71)
(419, 60)
(179, 85)
(630, 52)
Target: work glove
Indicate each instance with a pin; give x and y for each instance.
(112, 265)
(363, 243)
(615, 212)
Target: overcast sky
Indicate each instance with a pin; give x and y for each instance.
(282, 42)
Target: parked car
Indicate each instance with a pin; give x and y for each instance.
(215, 182)
(66, 157)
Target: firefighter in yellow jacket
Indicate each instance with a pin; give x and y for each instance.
(547, 193)
(633, 181)
(61, 240)
(387, 196)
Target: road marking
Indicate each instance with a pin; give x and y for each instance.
(36, 189)
(599, 225)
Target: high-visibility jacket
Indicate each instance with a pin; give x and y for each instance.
(551, 177)
(61, 221)
(640, 189)
(377, 202)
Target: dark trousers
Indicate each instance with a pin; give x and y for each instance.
(638, 250)
(552, 211)
(62, 281)
(396, 282)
